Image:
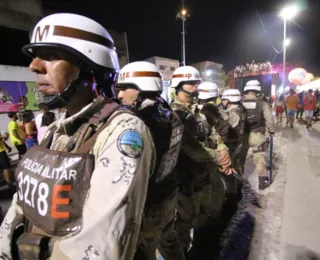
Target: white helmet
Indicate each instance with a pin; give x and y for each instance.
(77, 34)
(185, 74)
(143, 75)
(208, 90)
(252, 85)
(233, 95)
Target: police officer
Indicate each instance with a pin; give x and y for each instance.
(208, 96)
(207, 236)
(139, 87)
(81, 193)
(195, 155)
(234, 113)
(259, 118)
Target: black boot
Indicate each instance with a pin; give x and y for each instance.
(263, 183)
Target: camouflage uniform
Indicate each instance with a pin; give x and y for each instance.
(194, 163)
(235, 115)
(259, 117)
(219, 132)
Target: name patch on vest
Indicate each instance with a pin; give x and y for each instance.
(250, 105)
(52, 187)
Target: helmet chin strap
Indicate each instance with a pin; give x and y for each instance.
(137, 102)
(62, 99)
(191, 94)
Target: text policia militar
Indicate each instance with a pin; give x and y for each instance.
(48, 172)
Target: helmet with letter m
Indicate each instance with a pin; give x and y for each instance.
(208, 90)
(85, 41)
(252, 85)
(233, 95)
(142, 75)
(185, 75)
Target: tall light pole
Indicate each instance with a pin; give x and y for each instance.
(286, 13)
(183, 15)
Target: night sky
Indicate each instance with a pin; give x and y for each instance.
(225, 31)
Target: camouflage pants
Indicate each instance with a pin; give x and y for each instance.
(231, 182)
(256, 141)
(157, 231)
(192, 211)
(218, 192)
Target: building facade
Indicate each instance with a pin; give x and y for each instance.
(166, 67)
(213, 72)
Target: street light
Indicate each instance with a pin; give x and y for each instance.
(183, 15)
(286, 42)
(208, 73)
(287, 13)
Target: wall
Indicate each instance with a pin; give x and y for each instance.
(216, 73)
(165, 66)
(20, 14)
(15, 73)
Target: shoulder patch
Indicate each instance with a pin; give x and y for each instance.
(130, 143)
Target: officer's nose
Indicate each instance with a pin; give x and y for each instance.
(120, 93)
(38, 66)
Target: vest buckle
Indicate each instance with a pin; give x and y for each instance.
(33, 246)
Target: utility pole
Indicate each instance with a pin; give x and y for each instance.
(183, 15)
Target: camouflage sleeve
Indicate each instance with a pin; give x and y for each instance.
(196, 150)
(267, 114)
(113, 210)
(216, 138)
(224, 114)
(234, 119)
(231, 117)
(7, 226)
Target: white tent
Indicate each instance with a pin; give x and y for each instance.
(312, 85)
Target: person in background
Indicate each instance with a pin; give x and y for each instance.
(23, 100)
(310, 102)
(43, 109)
(279, 108)
(218, 100)
(300, 106)
(30, 129)
(4, 159)
(292, 103)
(47, 119)
(16, 136)
(316, 110)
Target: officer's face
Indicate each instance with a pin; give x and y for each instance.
(225, 103)
(191, 87)
(126, 94)
(55, 70)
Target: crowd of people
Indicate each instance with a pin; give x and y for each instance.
(253, 69)
(123, 173)
(294, 105)
(24, 131)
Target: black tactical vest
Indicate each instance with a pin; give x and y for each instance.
(254, 109)
(166, 130)
(215, 120)
(196, 129)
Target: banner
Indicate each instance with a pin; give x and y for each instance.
(15, 96)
